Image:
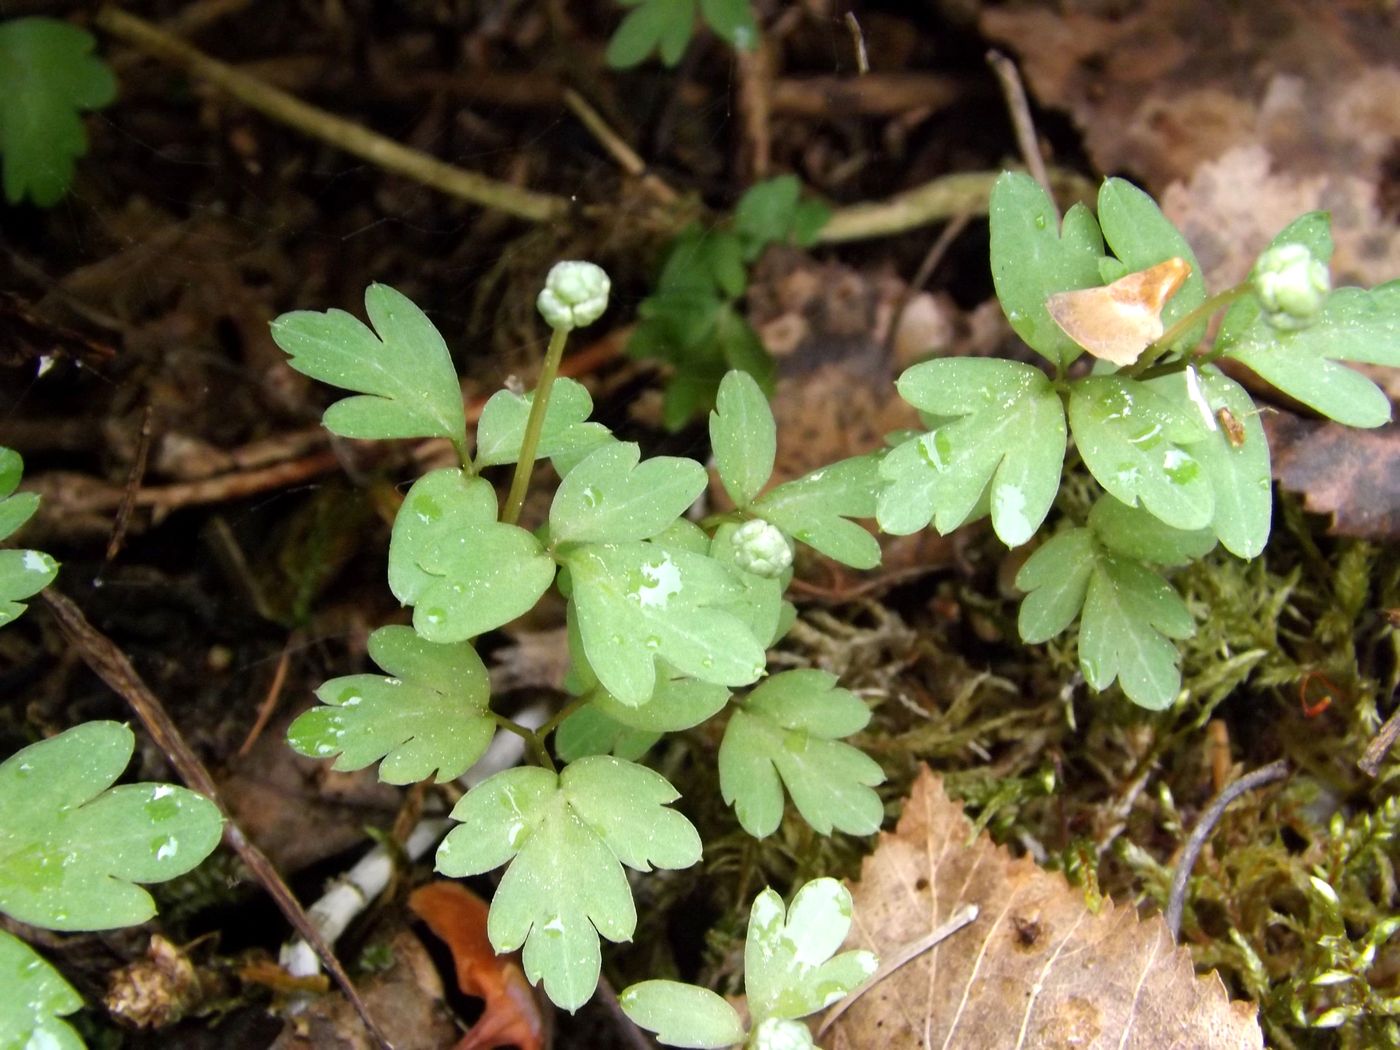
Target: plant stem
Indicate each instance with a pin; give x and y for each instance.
(564, 712)
(1201, 313)
(525, 466)
(533, 740)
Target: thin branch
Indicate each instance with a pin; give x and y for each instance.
(1176, 899)
(111, 665)
(1020, 110)
(900, 959)
(965, 193)
(1380, 745)
(626, 157)
(345, 134)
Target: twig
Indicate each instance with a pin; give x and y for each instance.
(829, 98)
(345, 134)
(965, 193)
(901, 958)
(858, 40)
(754, 95)
(133, 482)
(935, 255)
(111, 665)
(274, 691)
(1176, 899)
(625, 1027)
(1020, 110)
(627, 158)
(1380, 745)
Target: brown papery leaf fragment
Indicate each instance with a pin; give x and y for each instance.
(1352, 474)
(458, 917)
(1035, 970)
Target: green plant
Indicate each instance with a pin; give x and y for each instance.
(23, 574)
(692, 320)
(789, 972)
(1174, 443)
(48, 76)
(666, 26)
(666, 618)
(72, 846)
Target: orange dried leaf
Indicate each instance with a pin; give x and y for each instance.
(1036, 969)
(1118, 321)
(457, 916)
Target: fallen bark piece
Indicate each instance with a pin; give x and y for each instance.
(1036, 969)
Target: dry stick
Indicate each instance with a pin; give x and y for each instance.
(133, 483)
(935, 255)
(935, 201)
(1020, 109)
(902, 958)
(111, 665)
(347, 135)
(858, 40)
(1176, 899)
(965, 193)
(627, 158)
(274, 693)
(625, 1027)
(1380, 745)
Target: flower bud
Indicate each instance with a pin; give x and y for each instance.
(1292, 285)
(762, 549)
(575, 294)
(776, 1033)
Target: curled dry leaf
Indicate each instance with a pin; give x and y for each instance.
(1354, 475)
(1118, 321)
(458, 917)
(1036, 969)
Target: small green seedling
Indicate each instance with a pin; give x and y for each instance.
(48, 77)
(790, 971)
(23, 574)
(1175, 444)
(693, 322)
(72, 847)
(666, 26)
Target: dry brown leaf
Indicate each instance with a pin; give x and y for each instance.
(1240, 116)
(1352, 474)
(1168, 84)
(458, 917)
(1035, 970)
(1231, 208)
(829, 327)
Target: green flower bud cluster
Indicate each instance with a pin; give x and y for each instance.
(575, 294)
(762, 549)
(1292, 285)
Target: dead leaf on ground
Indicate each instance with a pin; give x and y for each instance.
(299, 811)
(1170, 84)
(829, 326)
(1353, 475)
(1036, 969)
(1232, 207)
(1241, 116)
(457, 916)
(406, 1000)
